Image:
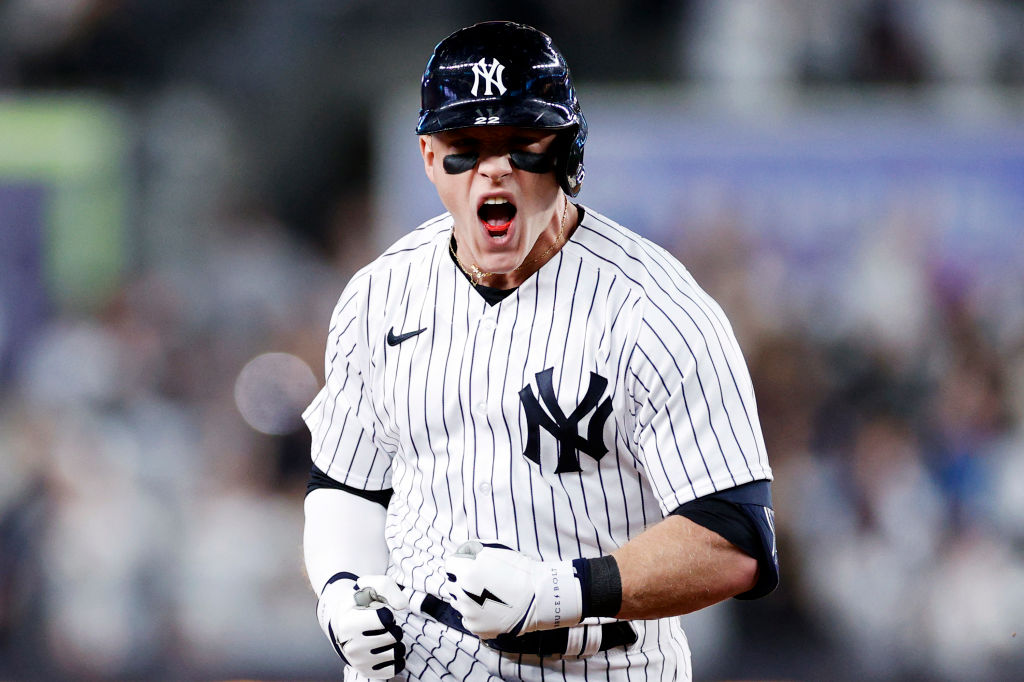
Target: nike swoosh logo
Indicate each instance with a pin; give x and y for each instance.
(395, 339)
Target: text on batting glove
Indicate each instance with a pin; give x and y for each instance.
(357, 615)
(498, 590)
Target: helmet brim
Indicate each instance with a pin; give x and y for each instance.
(530, 113)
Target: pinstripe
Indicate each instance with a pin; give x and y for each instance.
(533, 502)
(579, 391)
(491, 399)
(351, 460)
(547, 347)
(642, 643)
(490, 429)
(462, 412)
(508, 430)
(625, 500)
(584, 371)
(661, 650)
(369, 294)
(444, 417)
(600, 471)
(471, 433)
(426, 387)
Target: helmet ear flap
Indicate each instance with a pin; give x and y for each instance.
(569, 168)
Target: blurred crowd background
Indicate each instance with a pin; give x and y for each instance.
(185, 188)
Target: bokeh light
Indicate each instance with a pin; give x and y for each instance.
(272, 390)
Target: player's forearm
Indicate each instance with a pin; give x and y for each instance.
(676, 567)
(342, 532)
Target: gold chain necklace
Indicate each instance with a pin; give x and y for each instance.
(475, 274)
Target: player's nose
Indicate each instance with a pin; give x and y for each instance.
(495, 166)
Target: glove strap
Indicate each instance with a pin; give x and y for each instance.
(322, 616)
(559, 600)
(340, 575)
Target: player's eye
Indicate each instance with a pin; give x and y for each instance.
(531, 162)
(460, 163)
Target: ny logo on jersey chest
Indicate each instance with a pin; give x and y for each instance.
(565, 428)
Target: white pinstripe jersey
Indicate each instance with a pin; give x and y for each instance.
(444, 416)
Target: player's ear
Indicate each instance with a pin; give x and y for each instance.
(427, 151)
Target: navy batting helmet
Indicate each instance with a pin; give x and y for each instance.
(503, 73)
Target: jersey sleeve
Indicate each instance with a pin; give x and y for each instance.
(696, 428)
(341, 419)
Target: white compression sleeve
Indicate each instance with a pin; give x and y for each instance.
(343, 532)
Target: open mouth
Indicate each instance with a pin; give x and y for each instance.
(496, 214)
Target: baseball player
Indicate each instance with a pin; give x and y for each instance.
(537, 443)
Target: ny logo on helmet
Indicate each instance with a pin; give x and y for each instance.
(491, 75)
(564, 427)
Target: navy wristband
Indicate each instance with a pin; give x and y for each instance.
(600, 585)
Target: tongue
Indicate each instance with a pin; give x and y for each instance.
(497, 229)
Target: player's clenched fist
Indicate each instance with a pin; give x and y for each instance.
(498, 590)
(357, 616)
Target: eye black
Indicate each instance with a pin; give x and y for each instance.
(532, 162)
(460, 163)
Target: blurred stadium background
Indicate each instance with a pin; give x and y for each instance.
(186, 186)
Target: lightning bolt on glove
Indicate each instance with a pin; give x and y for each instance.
(498, 590)
(357, 616)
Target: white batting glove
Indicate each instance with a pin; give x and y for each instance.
(357, 615)
(498, 590)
